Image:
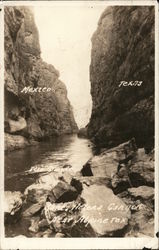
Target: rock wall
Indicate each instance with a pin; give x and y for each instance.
(123, 50)
(32, 115)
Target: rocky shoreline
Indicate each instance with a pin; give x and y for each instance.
(102, 200)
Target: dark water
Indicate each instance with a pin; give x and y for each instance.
(68, 149)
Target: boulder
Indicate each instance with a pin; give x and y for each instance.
(59, 235)
(104, 212)
(13, 142)
(17, 125)
(43, 224)
(142, 222)
(53, 178)
(33, 209)
(141, 171)
(12, 202)
(50, 179)
(63, 192)
(66, 176)
(75, 182)
(37, 193)
(34, 227)
(120, 181)
(138, 171)
(107, 162)
(143, 192)
(133, 205)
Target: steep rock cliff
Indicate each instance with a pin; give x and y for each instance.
(123, 50)
(32, 115)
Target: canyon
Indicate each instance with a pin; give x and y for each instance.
(112, 194)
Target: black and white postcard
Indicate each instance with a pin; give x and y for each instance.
(79, 124)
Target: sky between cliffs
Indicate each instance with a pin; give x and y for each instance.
(65, 33)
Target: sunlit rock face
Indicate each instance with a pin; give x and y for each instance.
(46, 113)
(123, 50)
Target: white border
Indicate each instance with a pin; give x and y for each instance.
(81, 243)
(81, 3)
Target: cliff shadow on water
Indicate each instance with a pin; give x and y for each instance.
(59, 187)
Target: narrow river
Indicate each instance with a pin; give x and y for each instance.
(67, 149)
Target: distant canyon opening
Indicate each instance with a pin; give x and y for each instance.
(65, 42)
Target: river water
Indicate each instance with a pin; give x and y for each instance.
(67, 149)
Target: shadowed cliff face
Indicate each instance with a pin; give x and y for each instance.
(123, 50)
(43, 114)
